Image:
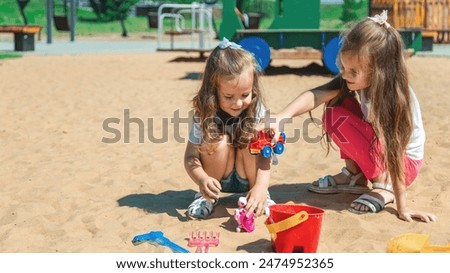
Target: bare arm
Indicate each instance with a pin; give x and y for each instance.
(311, 99)
(192, 163)
(305, 102)
(257, 195)
(403, 212)
(208, 186)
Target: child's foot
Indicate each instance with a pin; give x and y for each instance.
(342, 182)
(200, 208)
(374, 201)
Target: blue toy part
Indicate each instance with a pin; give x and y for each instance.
(157, 238)
(260, 49)
(279, 148)
(266, 151)
(330, 53)
(282, 134)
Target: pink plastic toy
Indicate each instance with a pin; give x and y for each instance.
(203, 240)
(245, 222)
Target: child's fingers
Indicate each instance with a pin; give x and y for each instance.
(424, 217)
(259, 209)
(255, 207)
(213, 189)
(217, 185)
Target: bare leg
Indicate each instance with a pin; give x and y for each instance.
(246, 165)
(220, 163)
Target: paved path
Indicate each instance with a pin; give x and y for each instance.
(84, 47)
(438, 50)
(61, 47)
(94, 47)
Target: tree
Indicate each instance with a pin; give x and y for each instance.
(99, 7)
(111, 10)
(119, 10)
(22, 5)
(349, 10)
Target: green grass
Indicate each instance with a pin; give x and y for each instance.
(85, 25)
(9, 55)
(88, 26)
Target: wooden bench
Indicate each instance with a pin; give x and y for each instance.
(23, 35)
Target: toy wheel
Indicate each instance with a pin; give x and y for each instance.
(279, 148)
(266, 151)
(260, 49)
(330, 52)
(283, 135)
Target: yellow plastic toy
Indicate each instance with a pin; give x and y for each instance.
(415, 243)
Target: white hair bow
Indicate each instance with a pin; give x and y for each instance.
(226, 43)
(381, 18)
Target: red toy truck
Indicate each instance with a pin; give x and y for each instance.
(262, 144)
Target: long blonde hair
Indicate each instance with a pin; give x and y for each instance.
(390, 113)
(227, 63)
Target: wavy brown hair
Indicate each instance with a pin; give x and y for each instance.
(390, 113)
(228, 63)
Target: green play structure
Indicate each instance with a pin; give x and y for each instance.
(291, 14)
(296, 24)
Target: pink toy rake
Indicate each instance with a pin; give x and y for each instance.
(203, 240)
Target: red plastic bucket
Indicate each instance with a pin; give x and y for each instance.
(294, 228)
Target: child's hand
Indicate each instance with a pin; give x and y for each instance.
(256, 200)
(273, 122)
(408, 216)
(210, 188)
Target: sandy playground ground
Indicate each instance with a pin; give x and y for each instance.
(65, 190)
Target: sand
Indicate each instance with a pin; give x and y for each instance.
(63, 189)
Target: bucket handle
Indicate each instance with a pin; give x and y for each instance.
(287, 223)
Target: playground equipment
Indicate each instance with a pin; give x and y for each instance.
(64, 22)
(295, 34)
(61, 20)
(431, 16)
(200, 30)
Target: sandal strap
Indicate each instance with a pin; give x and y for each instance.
(327, 181)
(200, 207)
(373, 203)
(383, 186)
(353, 177)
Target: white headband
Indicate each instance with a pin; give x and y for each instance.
(381, 19)
(226, 43)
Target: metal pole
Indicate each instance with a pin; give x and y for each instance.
(49, 20)
(72, 20)
(202, 26)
